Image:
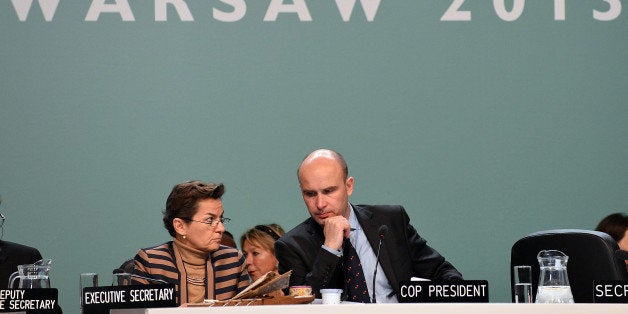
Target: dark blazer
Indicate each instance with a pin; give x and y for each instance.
(13, 254)
(404, 253)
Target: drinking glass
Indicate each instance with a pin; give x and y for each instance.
(523, 284)
(87, 280)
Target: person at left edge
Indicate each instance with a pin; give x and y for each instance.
(13, 254)
(195, 261)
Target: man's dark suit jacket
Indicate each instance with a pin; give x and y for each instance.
(404, 254)
(13, 254)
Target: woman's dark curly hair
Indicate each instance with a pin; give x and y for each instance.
(183, 200)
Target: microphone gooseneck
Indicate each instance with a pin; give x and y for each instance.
(1, 223)
(383, 229)
(120, 271)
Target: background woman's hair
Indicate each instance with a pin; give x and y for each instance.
(615, 225)
(263, 236)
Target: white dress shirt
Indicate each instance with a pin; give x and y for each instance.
(368, 259)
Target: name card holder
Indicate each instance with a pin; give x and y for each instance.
(39, 300)
(610, 291)
(464, 291)
(98, 300)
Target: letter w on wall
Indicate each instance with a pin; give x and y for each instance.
(346, 8)
(48, 8)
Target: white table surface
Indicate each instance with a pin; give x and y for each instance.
(406, 308)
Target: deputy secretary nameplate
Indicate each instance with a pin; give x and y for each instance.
(39, 300)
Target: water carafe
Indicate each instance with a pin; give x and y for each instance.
(36, 275)
(553, 280)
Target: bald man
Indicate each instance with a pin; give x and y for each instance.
(314, 249)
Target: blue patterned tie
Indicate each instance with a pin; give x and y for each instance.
(356, 284)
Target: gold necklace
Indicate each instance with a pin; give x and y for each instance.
(194, 280)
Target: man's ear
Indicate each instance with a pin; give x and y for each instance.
(349, 182)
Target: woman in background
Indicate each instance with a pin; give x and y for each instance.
(616, 225)
(258, 246)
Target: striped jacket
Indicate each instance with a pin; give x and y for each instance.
(226, 270)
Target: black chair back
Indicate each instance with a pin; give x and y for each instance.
(591, 257)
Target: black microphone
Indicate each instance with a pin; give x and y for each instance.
(621, 254)
(383, 229)
(122, 272)
(1, 224)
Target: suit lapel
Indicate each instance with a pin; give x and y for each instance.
(370, 227)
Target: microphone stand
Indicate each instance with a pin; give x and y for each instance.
(121, 272)
(383, 229)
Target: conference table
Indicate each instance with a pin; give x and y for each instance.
(403, 308)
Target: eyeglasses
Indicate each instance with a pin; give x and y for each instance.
(211, 221)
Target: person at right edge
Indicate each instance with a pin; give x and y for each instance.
(317, 250)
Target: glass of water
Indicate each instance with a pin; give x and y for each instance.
(523, 284)
(87, 280)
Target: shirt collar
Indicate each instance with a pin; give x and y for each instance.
(353, 219)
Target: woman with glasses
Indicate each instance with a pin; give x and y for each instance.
(195, 261)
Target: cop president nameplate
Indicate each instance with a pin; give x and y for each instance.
(464, 291)
(102, 299)
(40, 300)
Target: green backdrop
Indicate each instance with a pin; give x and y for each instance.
(486, 125)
